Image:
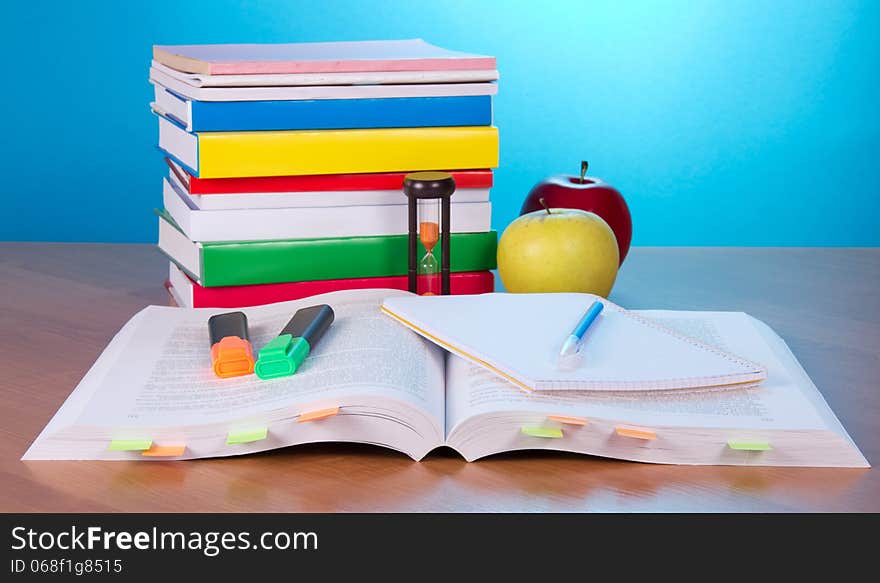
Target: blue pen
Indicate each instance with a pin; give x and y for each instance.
(570, 345)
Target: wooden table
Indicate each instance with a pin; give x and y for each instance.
(61, 303)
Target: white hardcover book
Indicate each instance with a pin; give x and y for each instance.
(271, 93)
(180, 287)
(308, 222)
(281, 200)
(187, 253)
(332, 198)
(300, 79)
(166, 104)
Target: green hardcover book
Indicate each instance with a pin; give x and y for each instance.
(253, 262)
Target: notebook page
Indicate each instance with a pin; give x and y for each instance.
(780, 402)
(520, 335)
(164, 379)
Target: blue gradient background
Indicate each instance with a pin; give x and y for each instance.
(722, 122)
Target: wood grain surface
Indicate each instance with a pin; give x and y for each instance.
(60, 305)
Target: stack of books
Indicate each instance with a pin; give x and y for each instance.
(286, 165)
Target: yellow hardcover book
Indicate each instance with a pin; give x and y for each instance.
(297, 152)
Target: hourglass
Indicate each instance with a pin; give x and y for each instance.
(429, 194)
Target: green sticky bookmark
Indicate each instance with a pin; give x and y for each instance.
(130, 444)
(748, 445)
(246, 436)
(549, 432)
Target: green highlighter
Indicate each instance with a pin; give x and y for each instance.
(284, 354)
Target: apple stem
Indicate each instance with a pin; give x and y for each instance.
(584, 165)
(544, 204)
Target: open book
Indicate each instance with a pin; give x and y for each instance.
(152, 395)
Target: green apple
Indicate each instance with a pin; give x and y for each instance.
(558, 250)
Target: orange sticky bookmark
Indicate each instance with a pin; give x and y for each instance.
(636, 432)
(567, 419)
(164, 450)
(318, 415)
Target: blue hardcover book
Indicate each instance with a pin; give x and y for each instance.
(324, 114)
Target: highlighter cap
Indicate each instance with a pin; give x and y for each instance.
(232, 357)
(231, 352)
(281, 357)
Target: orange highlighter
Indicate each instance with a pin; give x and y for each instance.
(231, 352)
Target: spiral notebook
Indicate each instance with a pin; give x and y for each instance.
(518, 337)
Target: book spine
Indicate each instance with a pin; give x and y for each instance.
(225, 264)
(254, 295)
(298, 152)
(327, 182)
(331, 114)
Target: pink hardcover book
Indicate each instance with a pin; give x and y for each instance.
(330, 57)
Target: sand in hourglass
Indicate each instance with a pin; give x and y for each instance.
(429, 269)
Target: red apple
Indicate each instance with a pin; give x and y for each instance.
(586, 193)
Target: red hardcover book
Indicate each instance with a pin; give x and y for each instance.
(190, 294)
(481, 178)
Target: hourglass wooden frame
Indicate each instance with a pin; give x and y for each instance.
(423, 186)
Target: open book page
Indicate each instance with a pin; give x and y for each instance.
(779, 402)
(157, 372)
(79, 399)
